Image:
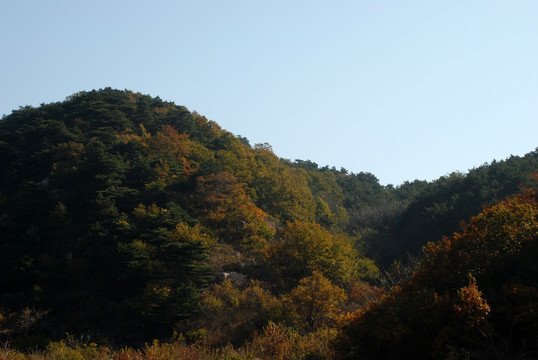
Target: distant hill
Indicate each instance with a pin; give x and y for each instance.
(444, 203)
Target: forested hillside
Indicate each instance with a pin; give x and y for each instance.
(125, 218)
(444, 203)
(474, 295)
(119, 209)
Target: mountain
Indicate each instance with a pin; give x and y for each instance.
(118, 209)
(131, 218)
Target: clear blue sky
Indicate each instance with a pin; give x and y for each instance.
(402, 89)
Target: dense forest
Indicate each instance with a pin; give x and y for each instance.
(132, 228)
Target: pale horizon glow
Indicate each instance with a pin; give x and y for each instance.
(403, 90)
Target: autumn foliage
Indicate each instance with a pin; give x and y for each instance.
(133, 228)
(473, 295)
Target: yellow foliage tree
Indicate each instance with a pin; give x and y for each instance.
(303, 248)
(316, 301)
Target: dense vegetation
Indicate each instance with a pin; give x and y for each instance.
(125, 218)
(444, 203)
(474, 295)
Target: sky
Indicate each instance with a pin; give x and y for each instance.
(401, 89)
